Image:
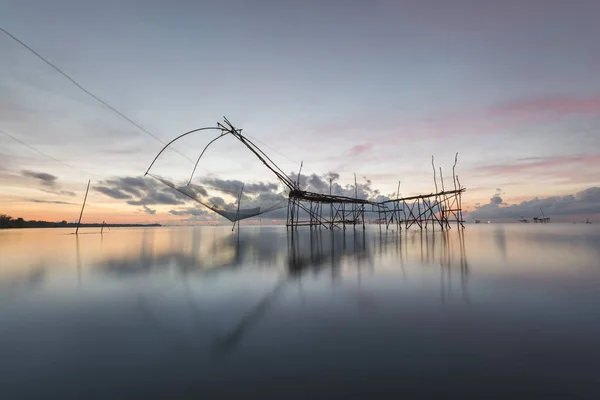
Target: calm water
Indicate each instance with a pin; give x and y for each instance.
(503, 311)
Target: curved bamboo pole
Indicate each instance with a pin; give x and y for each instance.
(177, 138)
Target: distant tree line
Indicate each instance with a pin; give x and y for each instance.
(7, 222)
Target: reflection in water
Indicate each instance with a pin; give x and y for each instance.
(312, 251)
(304, 251)
(150, 311)
(500, 237)
(31, 281)
(308, 251)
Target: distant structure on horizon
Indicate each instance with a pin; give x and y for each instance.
(537, 220)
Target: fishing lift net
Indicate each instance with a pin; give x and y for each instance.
(228, 175)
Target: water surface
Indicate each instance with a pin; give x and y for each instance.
(501, 311)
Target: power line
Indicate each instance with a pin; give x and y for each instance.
(110, 107)
(46, 155)
(64, 74)
(272, 149)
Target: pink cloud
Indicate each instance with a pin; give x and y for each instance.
(360, 149)
(512, 114)
(554, 106)
(535, 164)
(482, 120)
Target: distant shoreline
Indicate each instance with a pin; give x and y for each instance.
(50, 225)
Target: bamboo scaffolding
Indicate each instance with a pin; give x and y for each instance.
(305, 208)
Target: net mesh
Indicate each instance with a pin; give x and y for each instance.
(236, 187)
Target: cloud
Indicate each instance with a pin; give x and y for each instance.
(360, 149)
(334, 176)
(45, 178)
(321, 184)
(145, 192)
(235, 186)
(60, 192)
(496, 199)
(192, 211)
(318, 183)
(195, 214)
(112, 192)
(494, 118)
(157, 197)
(148, 210)
(586, 202)
(49, 182)
(541, 163)
(554, 106)
(139, 191)
(49, 201)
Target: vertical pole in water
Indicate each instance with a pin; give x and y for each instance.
(83, 206)
(297, 212)
(460, 215)
(237, 214)
(363, 216)
(288, 216)
(101, 229)
(397, 206)
(419, 217)
(354, 205)
(330, 207)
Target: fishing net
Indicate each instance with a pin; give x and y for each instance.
(265, 202)
(228, 174)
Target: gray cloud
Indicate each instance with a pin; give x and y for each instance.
(45, 178)
(112, 192)
(586, 202)
(193, 190)
(334, 176)
(139, 191)
(60, 192)
(219, 202)
(49, 183)
(49, 201)
(149, 211)
(320, 184)
(157, 197)
(194, 214)
(235, 186)
(496, 199)
(192, 211)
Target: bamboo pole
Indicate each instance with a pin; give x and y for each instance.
(82, 207)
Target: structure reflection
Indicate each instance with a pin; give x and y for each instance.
(314, 251)
(205, 254)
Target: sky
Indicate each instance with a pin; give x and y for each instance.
(372, 88)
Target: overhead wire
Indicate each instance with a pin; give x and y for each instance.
(88, 92)
(280, 153)
(272, 149)
(47, 155)
(109, 106)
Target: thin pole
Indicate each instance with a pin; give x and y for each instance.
(330, 206)
(299, 172)
(354, 211)
(83, 206)
(237, 214)
(434, 180)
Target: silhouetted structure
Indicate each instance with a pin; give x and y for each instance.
(329, 211)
